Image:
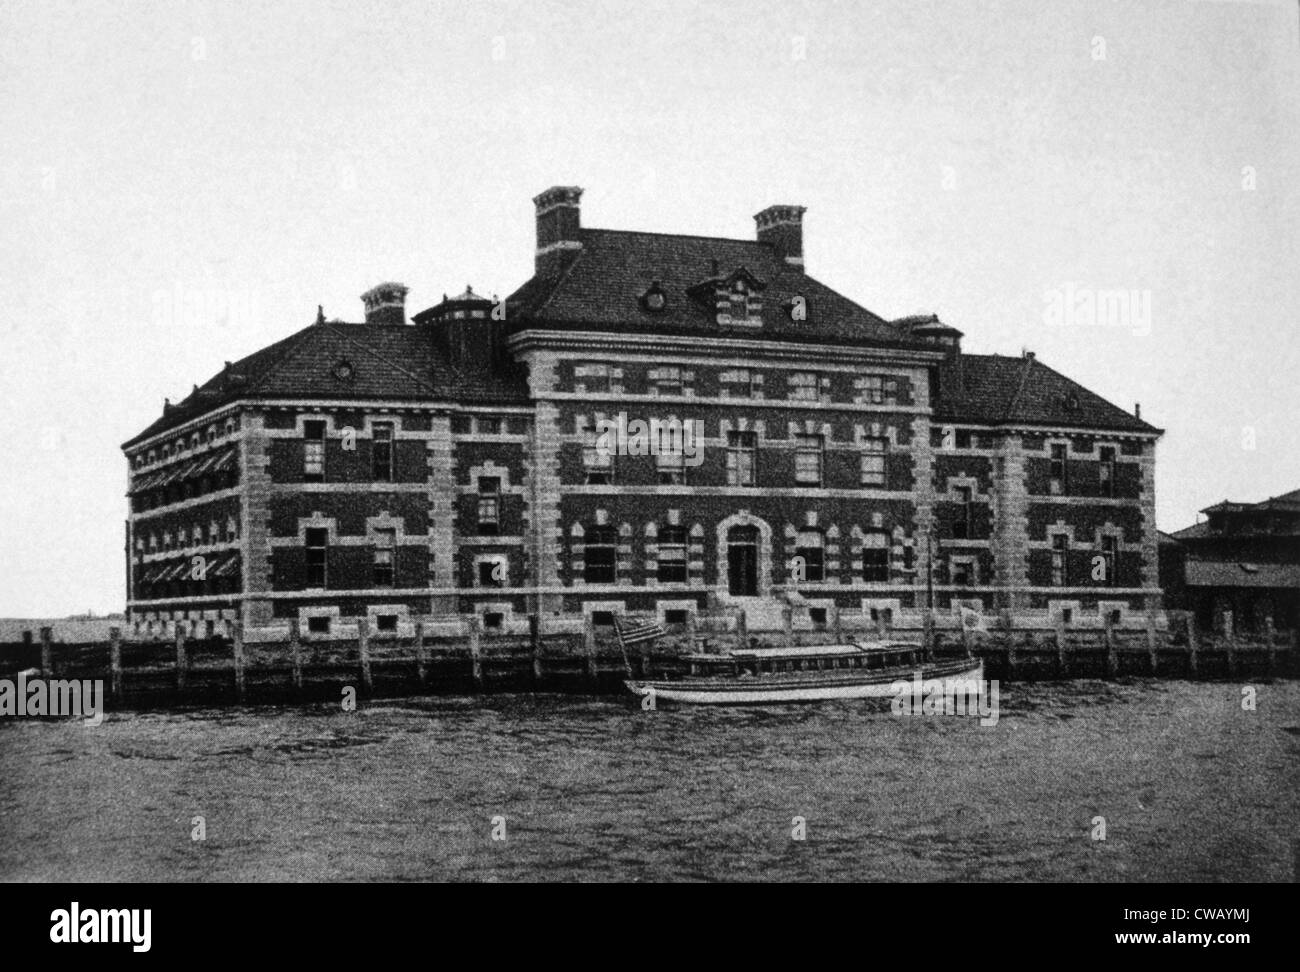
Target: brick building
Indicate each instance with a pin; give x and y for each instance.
(451, 464)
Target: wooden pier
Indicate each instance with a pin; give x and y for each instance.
(459, 656)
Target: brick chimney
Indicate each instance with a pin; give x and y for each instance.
(782, 226)
(558, 225)
(385, 303)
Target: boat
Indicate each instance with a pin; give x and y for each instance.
(805, 673)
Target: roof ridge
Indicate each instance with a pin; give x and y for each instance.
(679, 236)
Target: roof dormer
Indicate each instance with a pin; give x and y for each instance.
(736, 298)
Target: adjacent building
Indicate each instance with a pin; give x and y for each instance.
(453, 462)
(1241, 562)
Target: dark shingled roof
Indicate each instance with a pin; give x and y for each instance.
(601, 288)
(990, 389)
(389, 361)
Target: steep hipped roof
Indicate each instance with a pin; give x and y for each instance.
(601, 289)
(991, 389)
(387, 361)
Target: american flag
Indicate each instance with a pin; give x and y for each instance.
(631, 632)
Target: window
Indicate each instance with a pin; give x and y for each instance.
(599, 560)
(385, 545)
(875, 557)
(672, 555)
(232, 528)
(487, 426)
(808, 460)
(381, 452)
(212, 434)
(489, 505)
(1110, 552)
(667, 381)
(599, 461)
(386, 622)
(677, 616)
(592, 378)
(742, 451)
(739, 301)
(873, 389)
(1106, 471)
(963, 572)
(492, 573)
(805, 386)
(818, 617)
(319, 625)
(811, 546)
(669, 460)
(313, 457)
(961, 524)
(317, 539)
(1058, 484)
(874, 449)
(1060, 549)
(963, 439)
(741, 383)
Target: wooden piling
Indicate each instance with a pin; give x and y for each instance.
(1193, 649)
(1009, 633)
(589, 645)
(927, 634)
(476, 650)
(47, 652)
(182, 662)
(535, 637)
(295, 653)
(787, 624)
(421, 654)
(1062, 653)
(363, 649)
(966, 638)
(115, 662)
(1230, 637)
(837, 625)
(1270, 636)
(1112, 660)
(1153, 652)
(742, 629)
(237, 649)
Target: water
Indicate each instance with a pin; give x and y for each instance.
(1191, 787)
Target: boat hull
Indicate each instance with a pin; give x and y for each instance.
(802, 686)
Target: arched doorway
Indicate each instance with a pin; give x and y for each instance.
(742, 561)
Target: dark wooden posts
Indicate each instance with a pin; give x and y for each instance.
(237, 649)
(115, 662)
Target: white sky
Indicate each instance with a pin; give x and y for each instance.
(960, 157)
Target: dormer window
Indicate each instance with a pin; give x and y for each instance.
(739, 301)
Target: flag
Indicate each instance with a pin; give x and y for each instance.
(631, 632)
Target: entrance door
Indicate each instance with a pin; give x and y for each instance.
(742, 561)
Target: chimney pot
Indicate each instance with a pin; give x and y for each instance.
(385, 303)
(782, 226)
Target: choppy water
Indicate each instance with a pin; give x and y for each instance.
(1192, 789)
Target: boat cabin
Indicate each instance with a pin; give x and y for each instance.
(806, 658)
